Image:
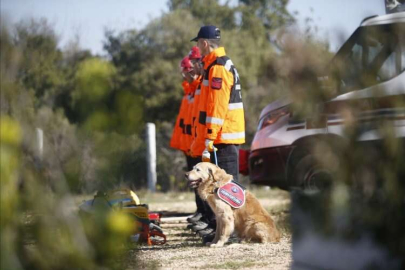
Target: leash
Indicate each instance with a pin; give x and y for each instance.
(215, 156)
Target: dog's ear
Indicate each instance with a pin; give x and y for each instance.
(216, 174)
(211, 174)
(221, 176)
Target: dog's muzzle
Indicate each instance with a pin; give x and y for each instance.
(192, 183)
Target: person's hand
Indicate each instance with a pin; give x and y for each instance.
(206, 156)
(189, 76)
(209, 145)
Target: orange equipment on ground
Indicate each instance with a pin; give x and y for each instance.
(147, 224)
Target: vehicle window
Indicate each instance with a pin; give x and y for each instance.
(354, 65)
(388, 69)
(372, 55)
(395, 62)
(402, 52)
(373, 45)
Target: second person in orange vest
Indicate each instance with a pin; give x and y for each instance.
(184, 132)
(195, 78)
(178, 136)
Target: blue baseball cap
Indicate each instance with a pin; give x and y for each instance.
(208, 32)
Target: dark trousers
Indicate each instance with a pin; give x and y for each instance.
(191, 162)
(228, 160)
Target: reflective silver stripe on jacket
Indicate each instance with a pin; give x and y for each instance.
(237, 86)
(214, 120)
(235, 106)
(206, 82)
(233, 136)
(228, 65)
(197, 92)
(236, 72)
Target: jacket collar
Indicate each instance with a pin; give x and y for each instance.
(212, 56)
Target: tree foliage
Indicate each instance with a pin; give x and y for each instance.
(104, 101)
(101, 105)
(93, 110)
(272, 14)
(40, 64)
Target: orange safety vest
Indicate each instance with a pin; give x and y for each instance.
(197, 144)
(194, 112)
(225, 118)
(178, 130)
(199, 113)
(188, 119)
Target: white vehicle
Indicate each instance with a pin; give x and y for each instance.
(280, 154)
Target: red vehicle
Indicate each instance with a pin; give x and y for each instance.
(280, 152)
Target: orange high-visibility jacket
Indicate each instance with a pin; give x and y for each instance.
(187, 132)
(225, 118)
(198, 144)
(190, 119)
(178, 130)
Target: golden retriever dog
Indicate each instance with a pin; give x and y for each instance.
(251, 221)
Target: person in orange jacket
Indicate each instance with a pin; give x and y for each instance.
(221, 117)
(178, 136)
(184, 132)
(195, 58)
(199, 221)
(192, 76)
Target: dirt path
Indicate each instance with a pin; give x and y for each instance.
(184, 249)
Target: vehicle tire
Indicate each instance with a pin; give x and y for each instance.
(309, 174)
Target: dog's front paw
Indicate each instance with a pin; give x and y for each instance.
(208, 244)
(217, 245)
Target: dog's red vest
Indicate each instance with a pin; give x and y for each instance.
(233, 194)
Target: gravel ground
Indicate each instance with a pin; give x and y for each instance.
(184, 249)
